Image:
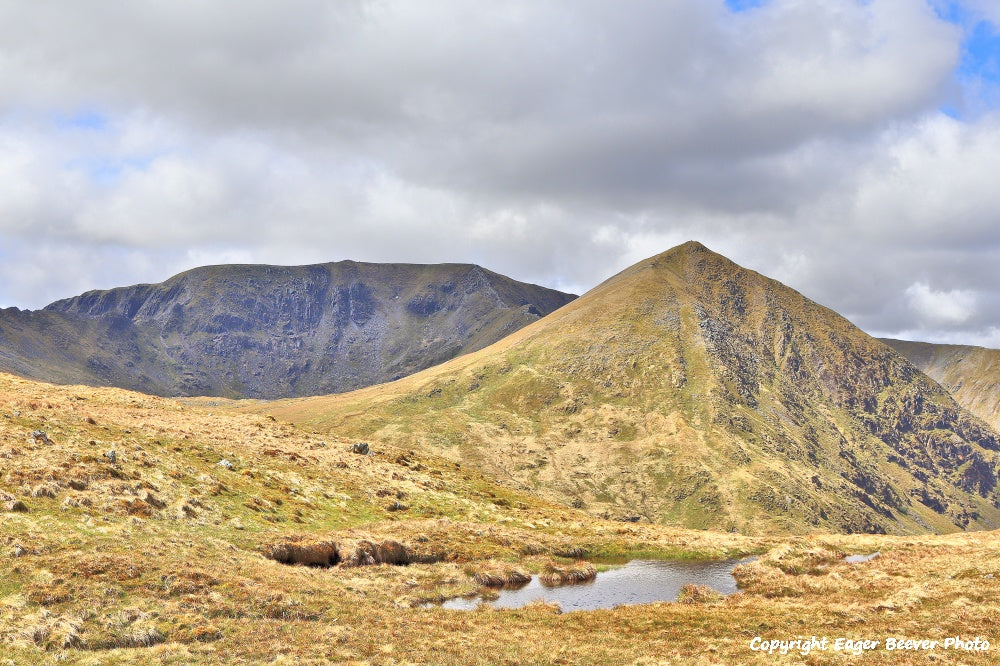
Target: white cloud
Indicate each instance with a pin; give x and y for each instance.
(955, 306)
(848, 62)
(932, 177)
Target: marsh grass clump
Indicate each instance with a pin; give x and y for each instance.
(813, 562)
(580, 572)
(790, 570)
(200, 633)
(130, 637)
(304, 550)
(367, 553)
(51, 631)
(504, 577)
(697, 594)
(45, 490)
(573, 552)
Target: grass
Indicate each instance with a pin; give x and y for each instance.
(187, 579)
(554, 575)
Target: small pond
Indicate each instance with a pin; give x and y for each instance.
(638, 582)
(859, 559)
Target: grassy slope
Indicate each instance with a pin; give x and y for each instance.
(690, 391)
(971, 374)
(156, 558)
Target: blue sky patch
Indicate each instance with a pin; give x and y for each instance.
(107, 171)
(978, 71)
(83, 120)
(981, 53)
(953, 12)
(743, 5)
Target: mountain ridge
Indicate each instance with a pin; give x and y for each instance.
(970, 373)
(689, 390)
(250, 330)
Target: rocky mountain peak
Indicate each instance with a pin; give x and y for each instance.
(688, 389)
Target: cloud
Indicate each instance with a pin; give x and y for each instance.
(941, 307)
(555, 142)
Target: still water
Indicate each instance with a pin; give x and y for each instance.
(859, 559)
(638, 582)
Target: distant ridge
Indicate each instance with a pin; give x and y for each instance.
(692, 391)
(970, 374)
(270, 331)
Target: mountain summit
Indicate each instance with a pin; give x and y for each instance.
(271, 331)
(689, 390)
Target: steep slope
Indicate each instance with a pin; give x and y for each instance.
(689, 390)
(971, 374)
(270, 331)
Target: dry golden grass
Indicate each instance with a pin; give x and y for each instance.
(298, 549)
(698, 594)
(499, 575)
(367, 553)
(158, 558)
(553, 575)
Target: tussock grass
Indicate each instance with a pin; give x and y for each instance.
(553, 575)
(367, 553)
(304, 550)
(495, 575)
(814, 561)
(698, 594)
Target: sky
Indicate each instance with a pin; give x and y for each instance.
(850, 149)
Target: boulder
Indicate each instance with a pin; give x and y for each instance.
(40, 436)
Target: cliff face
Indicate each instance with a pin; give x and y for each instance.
(692, 391)
(970, 374)
(269, 331)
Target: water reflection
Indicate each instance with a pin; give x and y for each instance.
(638, 582)
(858, 559)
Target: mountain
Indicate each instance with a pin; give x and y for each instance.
(971, 374)
(270, 331)
(691, 391)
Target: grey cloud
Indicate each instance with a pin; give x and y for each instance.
(555, 142)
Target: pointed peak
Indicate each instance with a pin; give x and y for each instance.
(682, 256)
(691, 251)
(690, 246)
(677, 260)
